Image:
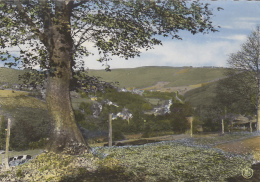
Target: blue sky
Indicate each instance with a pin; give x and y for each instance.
(237, 20)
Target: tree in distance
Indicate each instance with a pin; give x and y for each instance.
(53, 36)
(248, 60)
(237, 92)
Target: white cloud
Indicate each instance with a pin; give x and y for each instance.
(249, 19)
(177, 53)
(242, 23)
(238, 37)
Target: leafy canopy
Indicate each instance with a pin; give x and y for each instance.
(121, 28)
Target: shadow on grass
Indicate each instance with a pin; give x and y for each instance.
(103, 175)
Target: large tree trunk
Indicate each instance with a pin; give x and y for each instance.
(65, 134)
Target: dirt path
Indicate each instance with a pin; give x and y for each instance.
(142, 141)
(250, 145)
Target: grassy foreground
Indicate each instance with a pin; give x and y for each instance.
(164, 161)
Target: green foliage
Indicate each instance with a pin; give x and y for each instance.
(147, 131)
(209, 125)
(178, 116)
(19, 173)
(38, 144)
(117, 135)
(147, 106)
(29, 126)
(86, 108)
(125, 99)
(237, 92)
(79, 116)
(110, 164)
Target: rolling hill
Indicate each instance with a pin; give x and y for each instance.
(8, 75)
(167, 79)
(142, 77)
(204, 95)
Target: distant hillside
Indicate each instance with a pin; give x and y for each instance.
(161, 78)
(204, 95)
(8, 75)
(167, 79)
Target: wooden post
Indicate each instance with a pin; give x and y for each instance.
(190, 119)
(191, 127)
(250, 127)
(110, 130)
(222, 122)
(7, 144)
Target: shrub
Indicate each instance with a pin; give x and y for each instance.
(38, 144)
(147, 106)
(117, 135)
(30, 126)
(19, 173)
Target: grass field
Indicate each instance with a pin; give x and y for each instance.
(179, 160)
(10, 103)
(175, 161)
(11, 93)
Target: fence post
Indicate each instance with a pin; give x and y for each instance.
(7, 144)
(222, 122)
(110, 130)
(190, 119)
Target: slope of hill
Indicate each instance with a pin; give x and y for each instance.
(8, 75)
(161, 78)
(204, 95)
(136, 77)
(147, 78)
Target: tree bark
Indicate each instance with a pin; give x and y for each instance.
(257, 106)
(65, 135)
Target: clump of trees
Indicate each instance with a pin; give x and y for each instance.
(239, 92)
(140, 123)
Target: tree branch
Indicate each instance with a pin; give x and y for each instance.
(27, 20)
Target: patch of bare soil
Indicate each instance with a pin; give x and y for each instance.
(250, 145)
